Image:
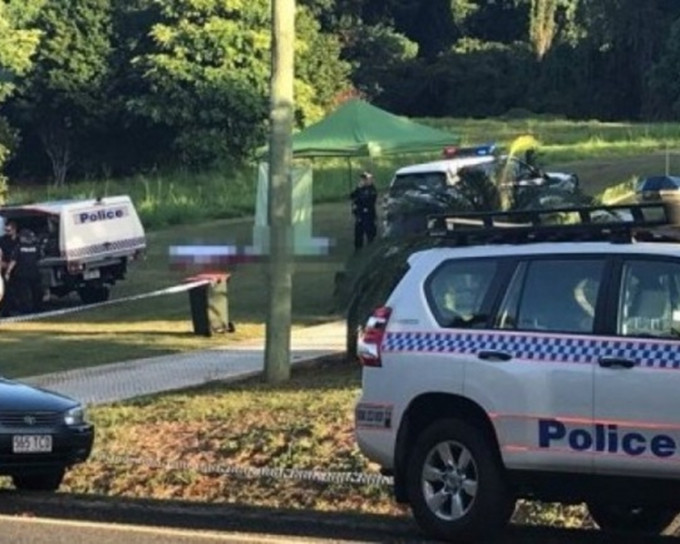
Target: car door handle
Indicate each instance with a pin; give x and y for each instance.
(494, 356)
(616, 362)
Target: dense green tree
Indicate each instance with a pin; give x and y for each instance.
(17, 45)
(62, 98)
(17, 42)
(377, 53)
(664, 84)
(622, 42)
(208, 73)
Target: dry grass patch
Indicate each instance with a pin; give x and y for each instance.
(306, 424)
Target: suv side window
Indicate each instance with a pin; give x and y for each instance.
(553, 295)
(457, 292)
(649, 302)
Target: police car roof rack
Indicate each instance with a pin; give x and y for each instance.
(626, 223)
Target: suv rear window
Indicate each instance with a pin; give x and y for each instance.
(457, 291)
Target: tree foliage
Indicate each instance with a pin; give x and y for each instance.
(208, 71)
(61, 98)
(542, 25)
(18, 40)
(121, 86)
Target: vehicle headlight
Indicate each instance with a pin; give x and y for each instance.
(75, 416)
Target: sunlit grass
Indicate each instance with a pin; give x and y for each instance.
(183, 197)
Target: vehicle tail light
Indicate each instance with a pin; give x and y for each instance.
(74, 267)
(138, 255)
(370, 339)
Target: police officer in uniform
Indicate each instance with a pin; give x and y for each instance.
(8, 243)
(363, 208)
(24, 274)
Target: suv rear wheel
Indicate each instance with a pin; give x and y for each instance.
(455, 482)
(631, 519)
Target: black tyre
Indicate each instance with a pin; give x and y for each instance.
(630, 519)
(92, 294)
(456, 484)
(47, 480)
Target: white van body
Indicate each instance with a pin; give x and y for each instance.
(85, 245)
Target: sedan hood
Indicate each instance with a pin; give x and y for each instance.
(15, 396)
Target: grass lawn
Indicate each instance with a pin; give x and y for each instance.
(163, 325)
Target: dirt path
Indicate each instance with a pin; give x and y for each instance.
(597, 174)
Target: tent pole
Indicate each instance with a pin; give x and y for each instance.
(351, 176)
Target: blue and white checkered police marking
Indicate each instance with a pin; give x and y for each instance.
(538, 347)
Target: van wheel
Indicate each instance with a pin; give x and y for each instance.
(644, 520)
(456, 484)
(92, 294)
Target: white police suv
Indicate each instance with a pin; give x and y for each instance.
(521, 359)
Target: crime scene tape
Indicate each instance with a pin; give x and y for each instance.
(179, 288)
(354, 478)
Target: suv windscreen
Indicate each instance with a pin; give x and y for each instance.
(426, 182)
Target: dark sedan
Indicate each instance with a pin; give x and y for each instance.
(41, 435)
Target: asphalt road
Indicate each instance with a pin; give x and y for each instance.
(73, 519)
(25, 530)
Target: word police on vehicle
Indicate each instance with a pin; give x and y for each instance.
(100, 215)
(604, 438)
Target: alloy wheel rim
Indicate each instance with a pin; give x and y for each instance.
(449, 480)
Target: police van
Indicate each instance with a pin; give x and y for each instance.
(524, 357)
(85, 245)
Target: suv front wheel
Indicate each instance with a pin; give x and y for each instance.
(621, 518)
(456, 484)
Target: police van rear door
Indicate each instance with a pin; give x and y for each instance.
(637, 378)
(103, 228)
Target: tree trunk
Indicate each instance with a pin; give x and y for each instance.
(55, 139)
(277, 348)
(542, 25)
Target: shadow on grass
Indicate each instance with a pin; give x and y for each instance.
(279, 522)
(24, 352)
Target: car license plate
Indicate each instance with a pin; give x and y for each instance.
(32, 443)
(91, 274)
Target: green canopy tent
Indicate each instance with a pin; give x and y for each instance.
(358, 129)
(355, 129)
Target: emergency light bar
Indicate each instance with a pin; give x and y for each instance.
(484, 150)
